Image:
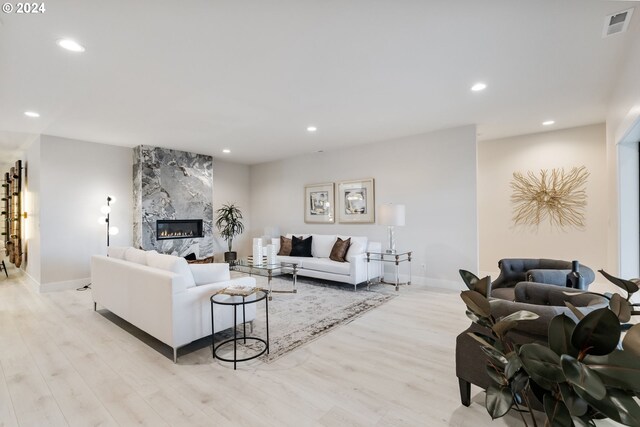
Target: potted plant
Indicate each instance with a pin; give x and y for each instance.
(229, 223)
(585, 373)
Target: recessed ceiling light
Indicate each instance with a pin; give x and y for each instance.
(31, 114)
(548, 123)
(312, 128)
(71, 45)
(226, 151)
(478, 87)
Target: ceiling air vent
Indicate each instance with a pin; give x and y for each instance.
(617, 23)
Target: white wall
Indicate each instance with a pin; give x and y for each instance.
(433, 174)
(31, 205)
(232, 184)
(498, 159)
(76, 177)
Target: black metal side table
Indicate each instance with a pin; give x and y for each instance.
(233, 301)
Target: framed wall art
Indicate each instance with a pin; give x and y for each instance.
(356, 201)
(319, 203)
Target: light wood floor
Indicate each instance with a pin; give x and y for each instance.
(61, 363)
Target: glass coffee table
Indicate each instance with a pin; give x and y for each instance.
(246, 265)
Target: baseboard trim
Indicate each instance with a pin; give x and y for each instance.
(30, 281)
(64, 285)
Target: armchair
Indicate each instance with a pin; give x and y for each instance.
(548, 271)
(546, 301)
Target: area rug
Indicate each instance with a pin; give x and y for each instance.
(296, 319)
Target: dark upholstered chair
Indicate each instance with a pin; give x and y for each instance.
(548, 271)
(546, 301)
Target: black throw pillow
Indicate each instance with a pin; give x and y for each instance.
(301, 247)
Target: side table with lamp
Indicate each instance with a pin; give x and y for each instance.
(392, 215)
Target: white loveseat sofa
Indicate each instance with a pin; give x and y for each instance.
(164, 295)
(319, 266)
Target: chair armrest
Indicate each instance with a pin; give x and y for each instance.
(210, 273)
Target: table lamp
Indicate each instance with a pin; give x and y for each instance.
(391, 215)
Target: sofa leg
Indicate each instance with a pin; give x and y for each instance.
(95, 306)
(175, 356)
(251, 326)
(465, 392)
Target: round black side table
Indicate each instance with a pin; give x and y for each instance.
(232, 300)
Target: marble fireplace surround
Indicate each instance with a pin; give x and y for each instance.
(172, 185)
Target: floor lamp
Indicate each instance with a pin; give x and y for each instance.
(106, 210)
(391, 215)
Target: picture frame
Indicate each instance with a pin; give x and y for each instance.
(356, 201)
(319, 200)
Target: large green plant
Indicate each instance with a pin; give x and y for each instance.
(228, 222)
(584, 373)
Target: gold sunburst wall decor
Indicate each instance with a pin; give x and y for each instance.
(552, 194)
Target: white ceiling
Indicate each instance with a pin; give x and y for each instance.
(252, 75)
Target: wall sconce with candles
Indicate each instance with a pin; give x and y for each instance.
(391, 215)
(106, 218)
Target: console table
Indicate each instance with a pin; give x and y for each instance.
(396, 258)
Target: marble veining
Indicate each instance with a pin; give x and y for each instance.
(172, 184)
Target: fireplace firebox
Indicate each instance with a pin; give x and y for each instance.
(178, 229)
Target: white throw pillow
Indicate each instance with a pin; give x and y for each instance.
(117, 251)
(174, 264)
(136, 255)
(321, 245)
(358, 245)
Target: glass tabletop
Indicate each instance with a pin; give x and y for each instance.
(385, 253)
(248, 262)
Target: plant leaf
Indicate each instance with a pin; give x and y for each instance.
(513, 366)
(476, 303)
(631, 341)
(481, 339)
(482, 321)
(519, 382)
(619, 369)
(541, 363)
(560, 329)
(469, 279)
(574, 310)
(617, 405)
(483, 286)
(627, 285)
(576, 405)
(520, 315)
(579, 375)
(497, 376)
(597, 333)
(503, 326)
(557, 413)
(498, 401)
(495, 355)
(620, 307)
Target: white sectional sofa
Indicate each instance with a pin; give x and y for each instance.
(319, 266)
(164, 295)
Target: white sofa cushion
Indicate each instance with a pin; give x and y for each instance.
(117, 251)
(326, 265)
(174, 264)
(321, 245)
(203, 274)
(136, 255)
